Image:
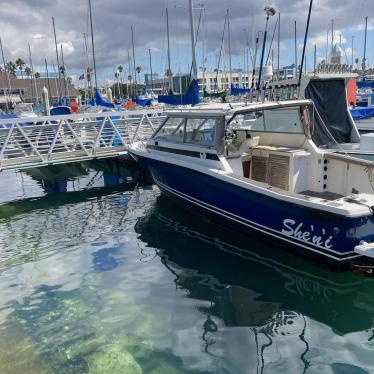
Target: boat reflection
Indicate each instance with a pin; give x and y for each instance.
(249, 283)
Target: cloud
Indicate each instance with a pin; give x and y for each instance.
(25, 21)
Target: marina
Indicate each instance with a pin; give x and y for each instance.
(170, 204)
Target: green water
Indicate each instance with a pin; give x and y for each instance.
(99, 273)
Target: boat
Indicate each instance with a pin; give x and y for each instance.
(257, 167)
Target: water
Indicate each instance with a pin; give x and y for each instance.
(99, 273)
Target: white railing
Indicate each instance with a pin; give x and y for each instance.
(40, 141)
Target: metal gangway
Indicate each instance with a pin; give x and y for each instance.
(42, 141)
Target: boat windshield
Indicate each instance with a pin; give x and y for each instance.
(280, 120)
(195, 131)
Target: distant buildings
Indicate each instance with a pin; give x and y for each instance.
(29, 90)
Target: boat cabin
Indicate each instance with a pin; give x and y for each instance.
(269, 145)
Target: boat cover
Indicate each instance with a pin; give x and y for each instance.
(60, 110)
(329, 98)
(239, 91)
(191, 96)
(362, 112)
(365, 84)
(143, 102)
(100, 101)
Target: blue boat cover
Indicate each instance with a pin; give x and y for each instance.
(365, 84)
(143, 102)
(239, 91)
(60, 110)
(362, 112)
(100, 101)
(191, 96)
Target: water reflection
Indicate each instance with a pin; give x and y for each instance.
(282, 299)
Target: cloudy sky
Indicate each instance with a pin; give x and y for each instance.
(29, 21)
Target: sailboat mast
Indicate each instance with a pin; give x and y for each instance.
(57, 58)
(278, 54)
(364, 59)
(295, 37)
(133, 59)
(48, 83)
(192, 29)
(150, 65)
(63, 67)
(168, 38)
(229, 35)
(33, 75)
(6, 74)
(92, 42)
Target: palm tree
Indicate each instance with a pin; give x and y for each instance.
(20, 64)
(10, 67)
(28, 71)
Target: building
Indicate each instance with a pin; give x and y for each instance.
(211, 81)
(29, 90)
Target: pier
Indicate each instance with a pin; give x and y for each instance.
(42, 141)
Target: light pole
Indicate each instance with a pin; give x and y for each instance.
(269, 11)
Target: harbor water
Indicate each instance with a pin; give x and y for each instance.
(100, 273)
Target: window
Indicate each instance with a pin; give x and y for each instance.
(200, 131)
(171, 131)
(282, 120)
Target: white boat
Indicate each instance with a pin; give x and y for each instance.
(257, 167)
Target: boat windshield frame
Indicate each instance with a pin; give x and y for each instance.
(304, 109)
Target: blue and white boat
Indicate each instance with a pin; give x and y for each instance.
(257, 167)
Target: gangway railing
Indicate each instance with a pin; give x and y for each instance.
(41, 141)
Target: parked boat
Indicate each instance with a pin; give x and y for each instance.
(257, 166)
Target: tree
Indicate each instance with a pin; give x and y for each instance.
(20, 65)
(138, 69)
(168, 73)
(28, 71)
(37, 75)
(11, 67)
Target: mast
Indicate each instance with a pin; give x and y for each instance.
(332, 35)
(278, 54)
(33, 75)
(315, 59)
(47, 73)
(229, 35)
(254, 68)
(6, 74)
(364, 59)
(295, 51)
(88, 68)
(129, 89)
(93, 43)
(57, 58)
(63, 67)
(352, 51)
(304, 46)
(192, 29)
(168, 37)
(133, 58)
(150, 65)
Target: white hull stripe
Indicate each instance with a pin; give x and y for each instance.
(255, 226)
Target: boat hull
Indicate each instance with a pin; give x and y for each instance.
(324, 236)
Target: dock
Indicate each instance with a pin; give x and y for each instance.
(48, 140)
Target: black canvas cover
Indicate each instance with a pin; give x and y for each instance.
(329, 98)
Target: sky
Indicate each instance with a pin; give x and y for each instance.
(24, 22)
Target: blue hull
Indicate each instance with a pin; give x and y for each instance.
(325, 236)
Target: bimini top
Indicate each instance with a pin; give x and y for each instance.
(228, 109)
